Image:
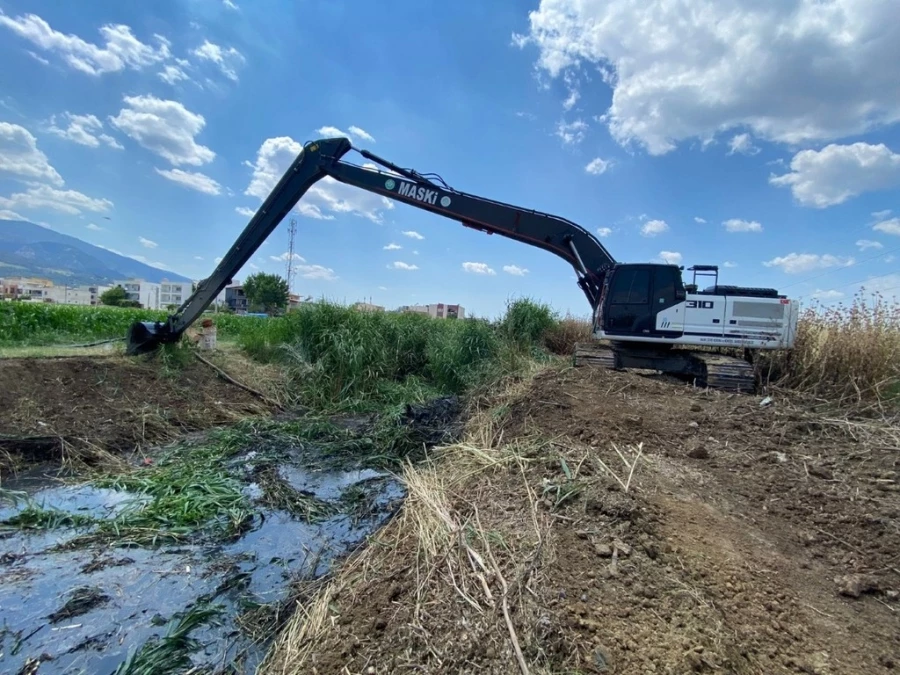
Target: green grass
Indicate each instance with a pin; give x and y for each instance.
(339, 358)
(36, 324)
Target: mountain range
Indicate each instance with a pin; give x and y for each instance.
(29, 250)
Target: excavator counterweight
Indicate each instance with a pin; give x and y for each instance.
(644, 310)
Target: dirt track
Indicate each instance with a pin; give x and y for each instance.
(752, 540)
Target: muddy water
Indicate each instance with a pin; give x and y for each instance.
(86, 610)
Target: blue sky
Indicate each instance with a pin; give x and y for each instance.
(691, 136)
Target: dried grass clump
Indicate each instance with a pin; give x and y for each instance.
(566, 333)
(464, 547)
(845, 353)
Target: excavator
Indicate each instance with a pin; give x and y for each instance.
(643, 314)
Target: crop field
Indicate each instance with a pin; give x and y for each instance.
(336, 491)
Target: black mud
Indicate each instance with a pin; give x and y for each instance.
(72, 604)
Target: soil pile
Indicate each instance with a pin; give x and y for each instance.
(110, 404)
(625, 524)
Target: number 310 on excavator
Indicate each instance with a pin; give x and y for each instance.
(644, 311)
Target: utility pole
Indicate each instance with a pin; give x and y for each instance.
(292, 232)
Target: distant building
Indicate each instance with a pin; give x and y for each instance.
(236, 299)
(44, 290)
(367, 307)
(25, 288)
(436, 311)
(147, 293)
(174, 292)
(68, 295)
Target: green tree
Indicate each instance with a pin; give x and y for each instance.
(266, 292)
(114, 296)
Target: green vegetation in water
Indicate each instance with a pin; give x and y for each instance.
(36, 517)
(172, 652)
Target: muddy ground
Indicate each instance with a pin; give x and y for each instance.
(752, 538)
(106, 567)
(90, 405)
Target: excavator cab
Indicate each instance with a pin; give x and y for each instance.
(635, 295)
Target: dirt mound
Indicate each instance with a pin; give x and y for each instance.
(772, 521)
(112, 404)
(750, 539)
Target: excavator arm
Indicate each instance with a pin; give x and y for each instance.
(322, 158)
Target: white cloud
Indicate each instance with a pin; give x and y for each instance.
(477, 268)
(19, 155)
(172, 74)
(6, 214)
(742, 144)
(284, 257)
(604, 231)
(827, 295)
(361, 133)
(84, 130)
(323, 199)
(398, 265)
(244, 211)
(147, 243)
(392, 247)
(146, 261)
(230, 4)
(729, 264)
(121, 49)
(352, 132)
(193, 180)
(218, 260)
(571, 132)
(865, 244)
(598, 166)
(515, 270)
(572, 99)
(654, 227)
(790, 72)
(881, 215)
(382, 288)
(412, 234)
(46, 197)
(228, 60)
(698, 219)
(198, 257)
(738, 225)
(95, 228)
(797, 263)
(670, 257)
(891, 226)
(316, 272)
(834, 174)
(164, 127)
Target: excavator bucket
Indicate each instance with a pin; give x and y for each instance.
(143, 337)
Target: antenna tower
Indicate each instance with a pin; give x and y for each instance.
(292, 232)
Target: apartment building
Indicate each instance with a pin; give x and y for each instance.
(146, 293)
(436, 311)
(174, 292)
(44, 290)
(236, 299)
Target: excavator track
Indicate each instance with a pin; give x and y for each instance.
(703, 369)
(725, 373)
(590, 354)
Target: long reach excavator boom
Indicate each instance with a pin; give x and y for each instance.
(642, 309)
(322, 158)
